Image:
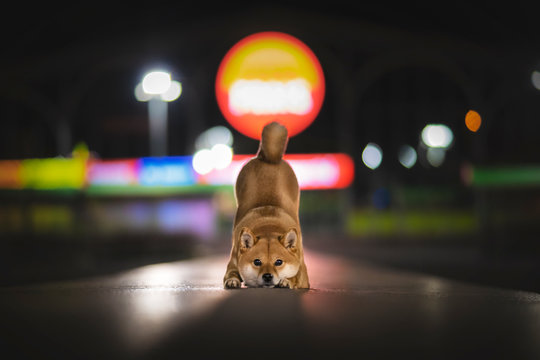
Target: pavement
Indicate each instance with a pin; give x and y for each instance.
(354, 309)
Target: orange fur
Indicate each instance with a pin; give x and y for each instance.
(266, 227)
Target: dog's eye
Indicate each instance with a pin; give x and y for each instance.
(278, 262)
(257, 262)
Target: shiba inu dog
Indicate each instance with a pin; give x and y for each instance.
(267, 241)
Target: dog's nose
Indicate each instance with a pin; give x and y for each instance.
(267, 277)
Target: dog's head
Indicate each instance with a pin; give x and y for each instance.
(266, 258)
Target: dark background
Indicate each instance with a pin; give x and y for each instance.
(68, 73)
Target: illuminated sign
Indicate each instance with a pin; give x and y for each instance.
(10, 174)
(228, 175)
(54, 173)
(166, 171)
(175, 173)
(322, 171)
(313, 171)
(270, 76)
(112, 172)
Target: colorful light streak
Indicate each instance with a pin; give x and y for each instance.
(112, 172)
(10, 174)
(501, 177)
(166, 171)
(161, 175)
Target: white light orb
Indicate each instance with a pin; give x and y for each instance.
(140, 95)
(435, 156)
(437, 136)
(156, 82)
(215, 135)
(372, 156)
(221, 155)
(203, 161)
(219, 135)
(173, 92)
(407, 156)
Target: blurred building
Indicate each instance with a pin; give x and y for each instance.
(69, 77)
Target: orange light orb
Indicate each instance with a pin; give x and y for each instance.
(473, 120)
(270, 76)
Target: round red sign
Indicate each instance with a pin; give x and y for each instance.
(270, 76)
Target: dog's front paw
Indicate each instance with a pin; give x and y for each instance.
(285, 283)
(232, 283)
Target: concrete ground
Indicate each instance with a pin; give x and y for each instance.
(354, 310)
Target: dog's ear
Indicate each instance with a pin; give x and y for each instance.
(246, 239)
(290, 239)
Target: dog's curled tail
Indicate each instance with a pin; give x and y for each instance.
(273, 143)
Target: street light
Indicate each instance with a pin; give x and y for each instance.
(157, 89)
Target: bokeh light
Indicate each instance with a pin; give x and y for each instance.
(437, 136)
(173, 92)
(381, 198)
(140, 95)
(218, 157)
(435, 156)
(222, 156)
(407, 156)
(372, 156)
(214, 150)
(473, 120)
(535, 79)
(166, 171)
(156, 82)
(266, 77)
(214, 135)
(203, 161)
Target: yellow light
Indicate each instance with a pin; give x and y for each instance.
(53, 173)
(51, 218)
(473, 120)
(80, 151)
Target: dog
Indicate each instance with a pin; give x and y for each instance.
(267, 246)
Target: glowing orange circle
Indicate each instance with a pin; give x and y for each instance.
(270, 76)
(473, 120)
